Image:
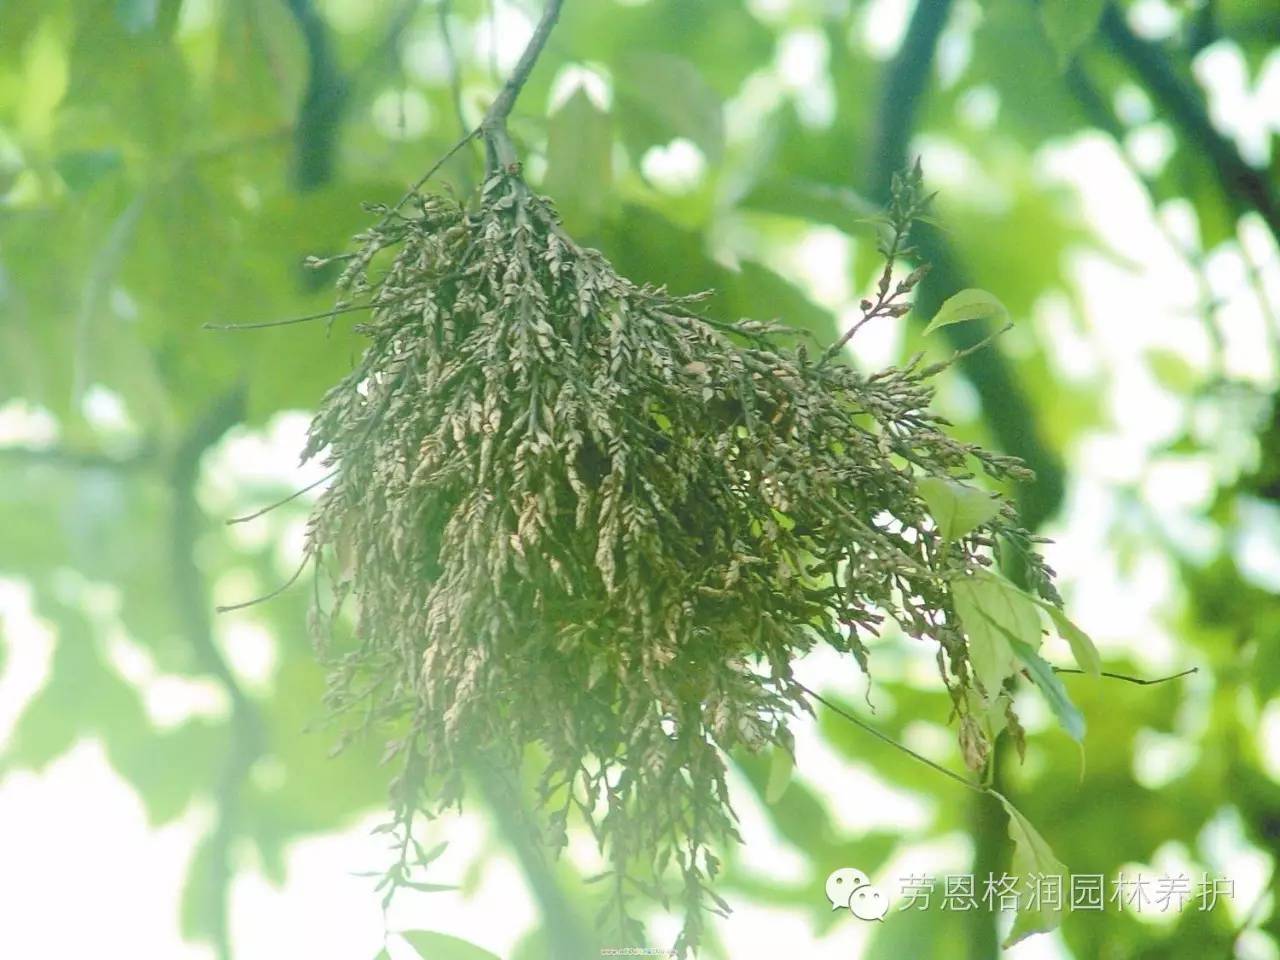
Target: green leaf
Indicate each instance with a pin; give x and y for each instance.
(969, 304)
(1082, 648)
(1071, 719)
(422, 887)
(81, 169)
(1068, 24)
(1172, 370)
(993, 612)
(1032, 857)
(580, 161)
(136, 16)
(782, 762)
(957, 508)
(428, 857)
(440, 946)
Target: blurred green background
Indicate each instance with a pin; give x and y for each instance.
(1107, 169)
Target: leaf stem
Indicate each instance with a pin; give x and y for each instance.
(280, 503)
(859, 722)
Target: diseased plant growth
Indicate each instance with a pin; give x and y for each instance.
(589, 525)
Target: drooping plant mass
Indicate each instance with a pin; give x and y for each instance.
(587, 522)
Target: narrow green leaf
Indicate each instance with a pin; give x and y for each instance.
(993, 611)
(1033, 858)
(1082, 648)
(440, 946)
(1071, 719)
(422, 887)
(1068, 24)
(970, 304)
(781, 764)
(428, 857)
(81, 169)
(957, 508)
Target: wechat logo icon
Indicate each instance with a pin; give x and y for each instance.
(852, 889)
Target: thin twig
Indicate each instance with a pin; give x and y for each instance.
(443, 9)
(858, 721)
(1128, 679)
(965, 352)
(951, 774)
(422, 180)
(501, 153)
(280, 503)
(264, 324)
(268, 596)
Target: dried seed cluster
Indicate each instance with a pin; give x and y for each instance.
(588, 524)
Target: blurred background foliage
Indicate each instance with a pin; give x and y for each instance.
(1107, 168)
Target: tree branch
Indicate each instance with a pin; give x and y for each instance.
(1204, 28)
(191, 596)
(499, 148)
(902, 90)
(78, 459)
(443, 10)
(1243, 186)
(388, 48)
(323, 101)
(1101, 114)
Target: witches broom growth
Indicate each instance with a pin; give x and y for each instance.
(586, 522)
